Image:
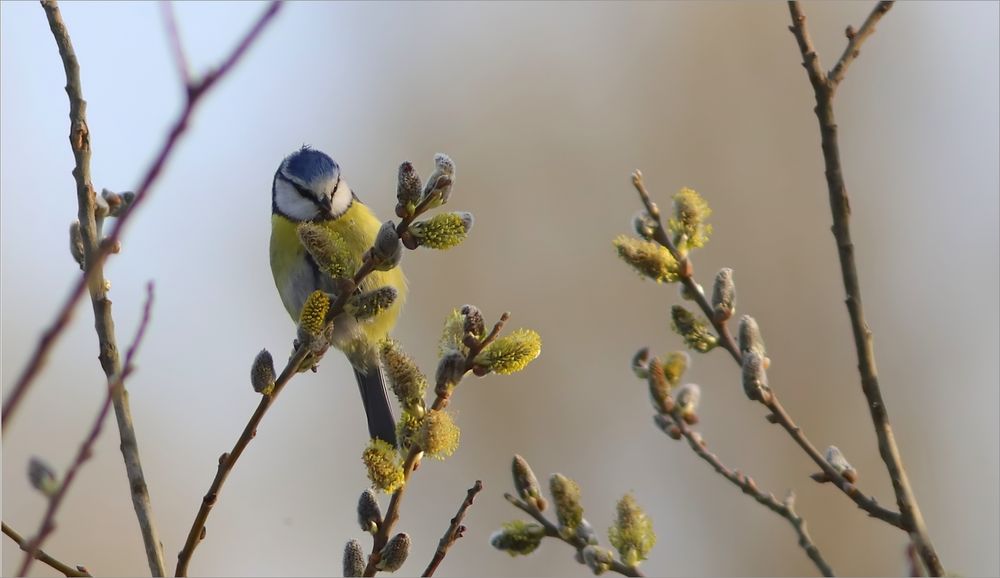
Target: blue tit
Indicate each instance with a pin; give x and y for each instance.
(308, 187)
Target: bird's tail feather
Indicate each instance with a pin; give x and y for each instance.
(373, 393)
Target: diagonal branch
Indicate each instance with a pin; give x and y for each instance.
(785, 508)
(41, 556)
(780, 415)
(86, 448)
(455, 530)
(854, 42)
(912, 519)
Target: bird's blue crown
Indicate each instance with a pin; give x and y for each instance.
(309, 165)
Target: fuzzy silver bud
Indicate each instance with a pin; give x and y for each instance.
(388, 250)
(439, 184)
(838, 462)
(474, 323)
(755, 377)
(354, 559)
(597, 559)
(724, 295)
(450, 370)
(76, 244)
(395, 552)
(526, 483)
(750, 338)
(369, 513)
(42, 477)
(643, 225)
(586, 532)
(262, 373)
(687, 397)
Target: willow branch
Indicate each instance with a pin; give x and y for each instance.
(455, 530)
(41, 556)
(785, 508)
(854, 42)
(227, 461)
(86, 448)
(176, 46)
(196, 91)
(412, 461)
(552, 531)
(824, 87)
(780, 415)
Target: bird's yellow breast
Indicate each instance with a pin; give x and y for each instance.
(295, 276)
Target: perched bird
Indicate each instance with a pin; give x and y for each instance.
(308, 188)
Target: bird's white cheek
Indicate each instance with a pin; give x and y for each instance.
(341, 200)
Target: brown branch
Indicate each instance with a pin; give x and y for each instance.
(552, 531)
(412, 461)
(854, 42)
(42, 557)
(823, 87)
(180, 125)
(781, 417)
(86, 448)
(785, 508)
(455, 530)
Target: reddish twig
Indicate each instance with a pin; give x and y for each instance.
(86, 448)
(195, 93)
(176, 46)
(824, 87)
(455, 530)
(41, 556)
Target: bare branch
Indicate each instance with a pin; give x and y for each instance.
(86, 448)
(455, 530)
(912, 519)
(176, 46)
(785, 509)
(42, 557)
(149, 178)
(854, 42)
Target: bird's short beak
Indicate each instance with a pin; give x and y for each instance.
(324, 205)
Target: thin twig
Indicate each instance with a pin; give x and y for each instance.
(176, 46)
(552, 531)
(86, 448)
(412, 461)
(455, 530)
(42, 557)
(177, 129)
(781, 416)
(823, 87)
(91, 229)
(854, 42)
(785, 509)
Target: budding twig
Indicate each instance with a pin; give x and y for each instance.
(42, 557)
(824, 88)
(455, 530)
(785, 508)
(86, 448)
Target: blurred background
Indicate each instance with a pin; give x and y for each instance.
(546, 109)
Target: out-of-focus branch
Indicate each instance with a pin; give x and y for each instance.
(455, 530)
(195, 93)
(785, 508)
(824, 88)
(780, 415)
(41, 556)
(176, 46)
(86, 448)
